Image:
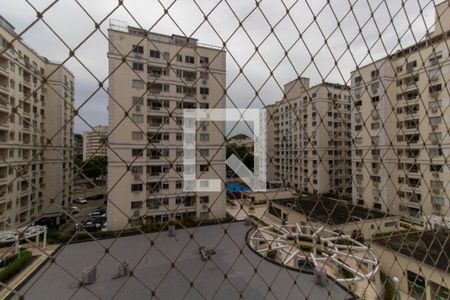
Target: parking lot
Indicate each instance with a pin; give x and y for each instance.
(83, 215)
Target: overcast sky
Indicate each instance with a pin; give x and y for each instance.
(72, 24)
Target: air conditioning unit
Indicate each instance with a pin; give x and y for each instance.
(434, 109)
(374, 91)
(436, 191)
(434, 126)
(435, 174)
(205, 206)
(204, 81)
(204, 96)
(205, 128)
(137, 176)
(136, 213)
(89, 275)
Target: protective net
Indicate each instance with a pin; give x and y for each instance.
(224, 149)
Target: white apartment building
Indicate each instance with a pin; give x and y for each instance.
(160, 76)
(308, 136)
(36, 133)
(400, 128)
(95, 142)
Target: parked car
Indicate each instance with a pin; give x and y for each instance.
(80, 201)
(101, 209)
(97, 214)
(92, 225)
(74, 210)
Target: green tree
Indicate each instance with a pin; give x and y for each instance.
(243, 153)
(95, 166)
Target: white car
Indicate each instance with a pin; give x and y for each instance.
(74, 210)
(80, 201)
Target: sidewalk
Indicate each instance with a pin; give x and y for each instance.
(37, 262)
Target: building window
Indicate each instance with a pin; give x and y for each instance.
(137, 84)
(138, 101)
(204, 199)
(204, 168)
(153, 203)
(204, 91)
(137, 152)
(204, 60)
(138, 49)
(179, 89)
(154, 54)
(416, 285)
(136, 187)
(137, 135)
(136, 204)
(204, 137)
(138, 66)
(179, 136)
(204, 152)
(179, 184)
(189, 59)
(137, 118)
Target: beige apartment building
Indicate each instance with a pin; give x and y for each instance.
(308, 138)
(399, 125)
(95, 142)
(36, 134)
(161, 75)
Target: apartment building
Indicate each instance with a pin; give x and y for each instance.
(95, 142)
(308, 138)
(399, 125)
(160, 76)
(36, 133)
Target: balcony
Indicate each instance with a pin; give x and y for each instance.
(435, 90)
(189, 76)
(4, 85)
(4, 70)
(155, 72)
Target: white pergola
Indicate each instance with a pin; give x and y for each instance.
(327, 247)
(25, 233)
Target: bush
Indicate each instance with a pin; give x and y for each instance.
(15, 265)
(271, 254)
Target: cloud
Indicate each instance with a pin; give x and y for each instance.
(315, 21)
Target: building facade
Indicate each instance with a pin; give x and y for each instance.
(308, 138)
(161, 75)
(399, 127)
(95, 142)
(36, 133)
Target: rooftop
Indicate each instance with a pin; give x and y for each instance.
(153, 270)
(179, 40)
(430, 247)
(330, 211)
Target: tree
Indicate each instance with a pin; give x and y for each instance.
(95, 166)
(243, 153)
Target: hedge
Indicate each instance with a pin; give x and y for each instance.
(57, 237)
(15, 266)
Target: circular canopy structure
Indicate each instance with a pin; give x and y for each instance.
(293, 245)
(25, 232)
